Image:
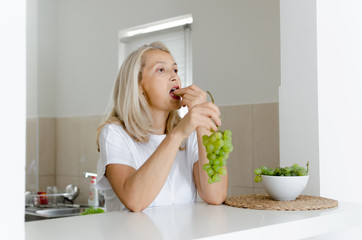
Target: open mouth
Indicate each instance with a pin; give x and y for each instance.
(172, 94)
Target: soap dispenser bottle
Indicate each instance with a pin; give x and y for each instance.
(93, 193)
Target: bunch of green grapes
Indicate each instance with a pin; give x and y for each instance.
(294, 170)
(218, 146)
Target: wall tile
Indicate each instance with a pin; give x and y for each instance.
(47, 146)
(88, 144)
(31, 139)
(259, 190)
(84, 190)
(265, 135)
(31, 166)
(45, 181)
(68, 146)
(238, 119)
(236, 191)
(30, 183)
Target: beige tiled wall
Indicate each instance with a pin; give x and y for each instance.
(255, 129)
(40, 153)
(265, 137)
(47, 151)
(31, 167)
(76, 152)
(67, 148)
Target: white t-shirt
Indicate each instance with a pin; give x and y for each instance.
(117, 147)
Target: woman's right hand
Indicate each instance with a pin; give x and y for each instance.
(205, 115)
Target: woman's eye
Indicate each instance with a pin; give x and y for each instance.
(161, 70)
(176, 70)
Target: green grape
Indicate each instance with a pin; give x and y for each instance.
(257, 171)
(206, 166)
(216, 178)
(222, 171)
(218, 147)
(227, 133)
(217, 168)
(209, 148)
(294, 170)
(213, 138)
(270, 172)
(210, 171)
(257, 178)
(227, 138)
(219, 143)
(218, 135)
(217, 162)
(227, 144)
(295, 166)
(275, 172)
(302, 172)
(211, 156)
(222, 152)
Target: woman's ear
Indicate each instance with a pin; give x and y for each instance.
(140, 89)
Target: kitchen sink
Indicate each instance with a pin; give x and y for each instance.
(35, 213)
(62, 212)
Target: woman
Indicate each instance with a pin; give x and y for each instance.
(149, 156)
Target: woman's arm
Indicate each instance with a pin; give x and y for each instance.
(138, 188)
(216, 192)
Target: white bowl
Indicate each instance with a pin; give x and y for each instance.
(282, 188)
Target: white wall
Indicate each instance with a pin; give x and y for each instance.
(320, 95)
(339, 24)
(41, 58)
(298, 96)
(32, 58)
(47, 57)
(235, 44)
(12, 122)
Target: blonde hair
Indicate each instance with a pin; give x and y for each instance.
(129, 106)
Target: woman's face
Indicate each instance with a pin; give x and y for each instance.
(159, 80)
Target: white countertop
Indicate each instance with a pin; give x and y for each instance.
(199, 221)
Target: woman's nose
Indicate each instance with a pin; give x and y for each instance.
(173, 76)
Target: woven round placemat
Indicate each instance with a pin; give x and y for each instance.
(264, 202)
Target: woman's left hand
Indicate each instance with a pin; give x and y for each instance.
(191, 96)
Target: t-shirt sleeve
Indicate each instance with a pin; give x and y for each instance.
(115, 148)
(193, 147)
